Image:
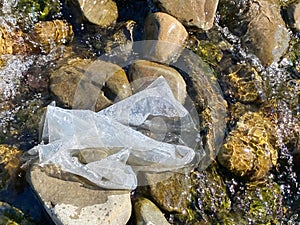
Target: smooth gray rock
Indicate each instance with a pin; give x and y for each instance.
(196, 13)
(69, 203)
(142, 74)
(147, 212)
(165, 37)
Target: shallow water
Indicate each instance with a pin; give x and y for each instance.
(22, 86)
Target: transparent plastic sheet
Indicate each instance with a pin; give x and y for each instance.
(68, 131)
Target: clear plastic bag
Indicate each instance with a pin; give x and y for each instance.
(117, 127)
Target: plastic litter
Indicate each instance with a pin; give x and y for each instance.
(119, 132)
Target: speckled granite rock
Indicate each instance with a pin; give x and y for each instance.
(69, 203)
(197, 13)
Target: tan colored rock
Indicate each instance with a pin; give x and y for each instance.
(79, 82)
(266, 35)
(166, 37)
(100, 12)
(69, 203)
(143, 72)
(147, 212)
(196, 13)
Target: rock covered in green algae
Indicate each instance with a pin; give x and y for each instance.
(10, 215)
(209, 102)
(209, 194)
(170, 191)
(37, 10)
(243, 84)
(260, 203)
(250, 149)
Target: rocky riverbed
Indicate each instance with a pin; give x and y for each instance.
(233, 65)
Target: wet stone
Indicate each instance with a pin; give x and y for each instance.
(260, 202)
(170, 190)
(250, 149)
(143, 73)
(102, 13)
(243, 84)
(209, 193)
(147, 212)
(12, 215)
(165, 37)
(193, 13)
(293, 16)
(9, 163)
(207, 96)
(267, 44)
(46, 35)
(80, 84)
(12, 41)
(249, 20)
(70, 203)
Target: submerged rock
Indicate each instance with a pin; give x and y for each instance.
(210, 194)
(260, 203)
(250, 149)
(244, 84)
(12, 41)
(207, 95)
(101, 13)
(10, 215)
(143, 73)
(147, 212)
(165, 37)
(197, 13)
(9, 163)
(31, 11)
(69, 203)
(170, 191)
(268, 44)
(46, 35)
(249, 20)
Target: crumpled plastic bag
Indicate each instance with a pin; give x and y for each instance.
(116, 127)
